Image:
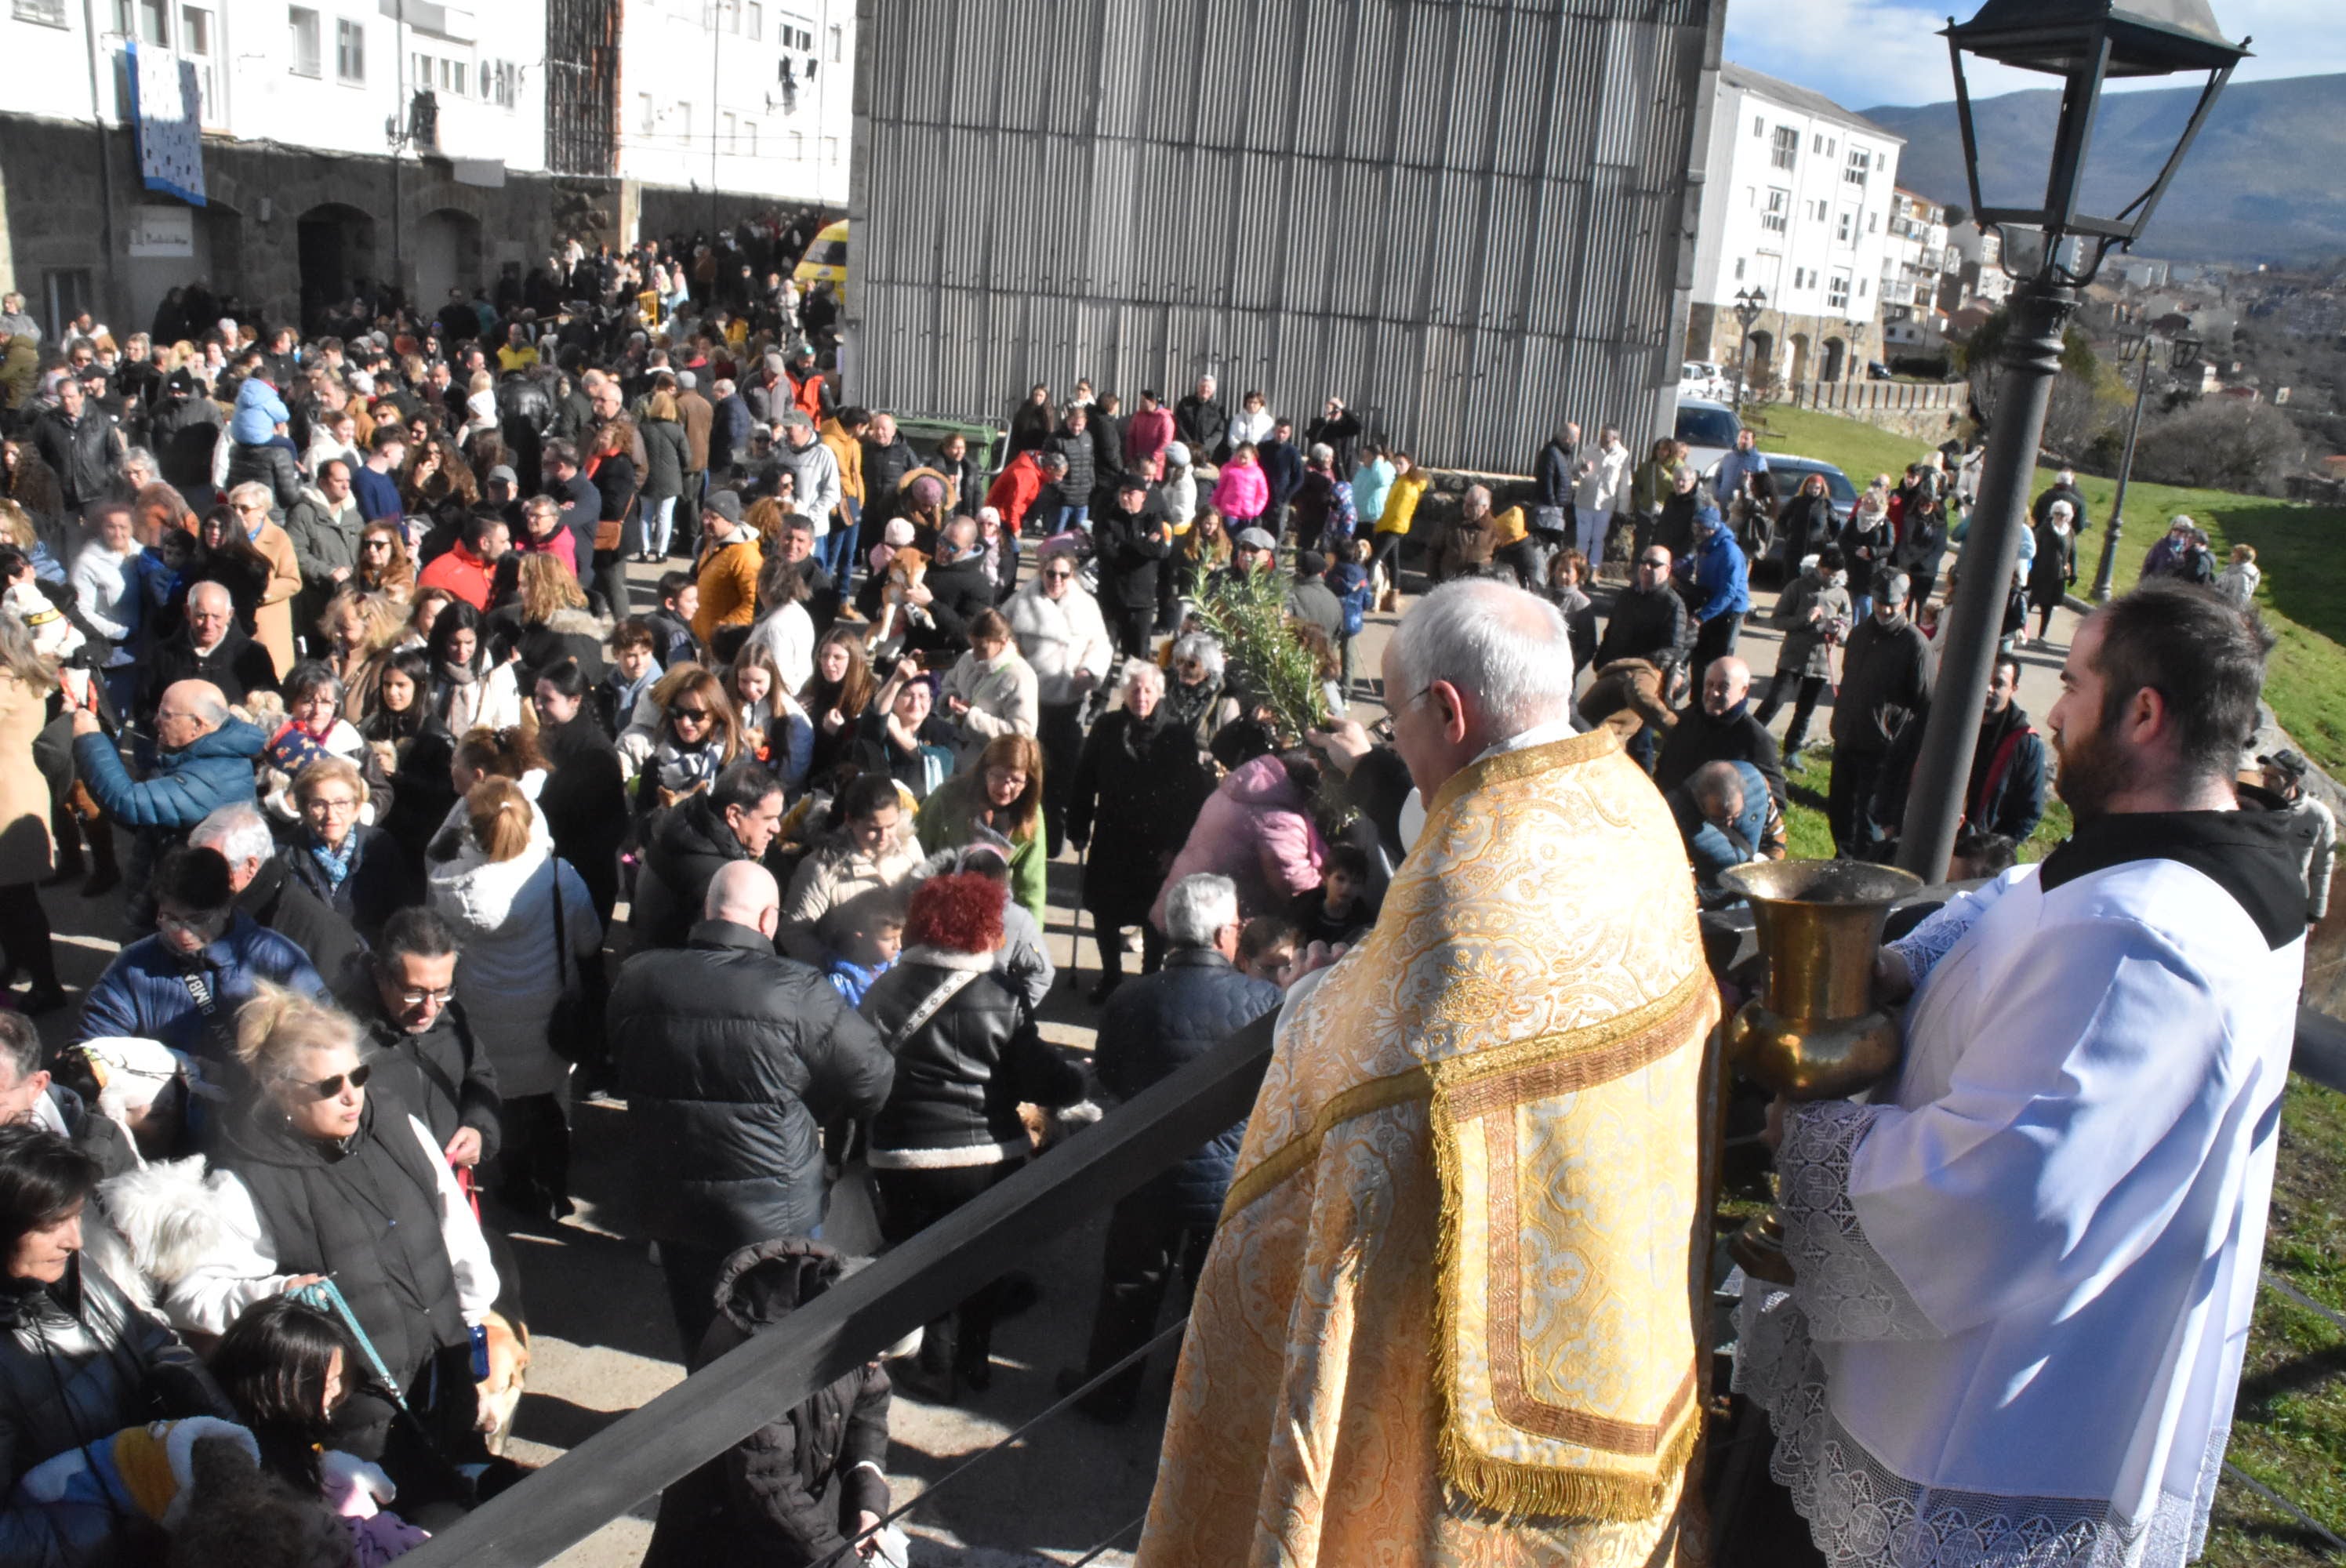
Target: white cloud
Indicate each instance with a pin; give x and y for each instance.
(1860, 53)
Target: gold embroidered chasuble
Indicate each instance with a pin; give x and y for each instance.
(1450, 1312)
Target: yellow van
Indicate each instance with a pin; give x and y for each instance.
(825, 261)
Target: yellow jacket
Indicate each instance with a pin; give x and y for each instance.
(1401, 501)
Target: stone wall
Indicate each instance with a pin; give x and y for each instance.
(1925, 412)
(249, 236)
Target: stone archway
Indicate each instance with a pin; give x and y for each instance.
(1799, 358)
(1836, 365)
(335, 244)
(1759, 366)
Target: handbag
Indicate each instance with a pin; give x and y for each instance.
(574, 1030)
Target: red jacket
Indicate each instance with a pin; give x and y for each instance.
(463, 573)
(806, 395)
(1015, 489)
(1146, 438)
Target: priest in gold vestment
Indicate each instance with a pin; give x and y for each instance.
(1452, 1311)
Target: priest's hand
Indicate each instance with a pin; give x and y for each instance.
(1893, 980)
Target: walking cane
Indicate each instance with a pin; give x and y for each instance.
(1075, 943)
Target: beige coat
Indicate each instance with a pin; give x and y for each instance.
(26, 854)
(272, 622)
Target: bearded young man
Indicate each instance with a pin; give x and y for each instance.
(2026, 1270)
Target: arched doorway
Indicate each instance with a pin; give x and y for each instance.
(1759, 364)
(447, 256)
(1836, 360)
(1799, 358)
(336, 249)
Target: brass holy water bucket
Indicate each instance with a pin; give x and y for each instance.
(1814, 1033)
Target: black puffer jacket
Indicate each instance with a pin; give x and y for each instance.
(787, 1495)
(962, 1076)
(686, 850)
(732, 1059)
(77, 1364)
(271, 465)
(1160, 1024)
(365, 1212)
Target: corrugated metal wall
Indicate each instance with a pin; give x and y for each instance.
(1470, 218)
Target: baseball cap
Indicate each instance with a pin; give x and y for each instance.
(2287, 761)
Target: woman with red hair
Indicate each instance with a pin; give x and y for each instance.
(967, 1055)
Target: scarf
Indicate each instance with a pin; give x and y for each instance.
(1190, 706)
(1140, 734)
(335, 863)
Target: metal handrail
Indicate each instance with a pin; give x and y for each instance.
(856, 1319)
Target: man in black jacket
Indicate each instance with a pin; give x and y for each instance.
(1717, 726)
(954, 590)
(731, 1058)
(81, 442)
(1132, 541)
(1202, 423)
(581, 501)
(1552, 510)
(421, 1051)
(1153, 1027)
(1282, 471)
(210, 646)
(1885, 685)
(734, 819)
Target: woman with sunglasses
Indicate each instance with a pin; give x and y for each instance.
(383, 563)
(323, 1182)
(699, 738)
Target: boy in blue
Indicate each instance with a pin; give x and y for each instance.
(873, 940)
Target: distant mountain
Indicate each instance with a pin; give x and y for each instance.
(2261, 184)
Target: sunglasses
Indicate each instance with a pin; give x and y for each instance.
(418, 998)
(1058, 576)
(327, 1088)
(695, 713)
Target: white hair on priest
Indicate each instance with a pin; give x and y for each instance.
(1510, 650)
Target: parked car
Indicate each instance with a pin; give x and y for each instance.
(1708, 427)
(1701, 379)
(825, 261)
(1875, 371)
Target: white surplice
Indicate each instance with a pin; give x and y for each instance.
(2026, 1273)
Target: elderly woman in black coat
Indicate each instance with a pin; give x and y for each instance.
(1138, 791)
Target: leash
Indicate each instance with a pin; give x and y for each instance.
(327, 1297)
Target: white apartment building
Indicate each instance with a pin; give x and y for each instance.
(1796, 202)
(738, 96)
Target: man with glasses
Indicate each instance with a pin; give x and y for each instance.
(183, 985)
(1641, 657)
(418, 1043)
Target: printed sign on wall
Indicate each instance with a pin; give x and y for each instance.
(167, 107)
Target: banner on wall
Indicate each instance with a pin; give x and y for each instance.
(167, 112)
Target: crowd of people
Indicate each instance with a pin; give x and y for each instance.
(429, 820)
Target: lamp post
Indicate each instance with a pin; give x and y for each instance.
(2135, 351)
(2085, 43)
(1748, 304)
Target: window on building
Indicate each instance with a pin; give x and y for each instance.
(1861, 288)
(196, 44)
(750, 128)
(728, 132)
(1837, 297)
(1874, 223)
(302, 27)
(830, 150)
(1857, 165)
(1847, 226)
(1759, 124)
(350, 51)
(1778, 204)
(798, 147)
(454, 76)
(684, 122)
(647, 117)
(1738, 269)
(149, 21)
(757, 20)
(838, 48)
(1787, 147)
(48, 13)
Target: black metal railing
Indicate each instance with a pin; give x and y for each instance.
(666, 1440)
(855, 1319)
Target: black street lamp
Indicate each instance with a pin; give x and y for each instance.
(1749, 305)
(2183, 352)
(2085, 43)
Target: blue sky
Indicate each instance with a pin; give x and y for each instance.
(1862, 53)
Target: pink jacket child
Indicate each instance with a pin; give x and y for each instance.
(1242, 491)
(1256, 830)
